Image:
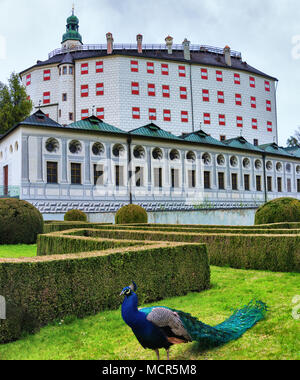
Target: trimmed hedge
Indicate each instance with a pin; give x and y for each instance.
(44, 290)
(131, 214)
(20, 222)
(62, 226)
(279, 210)
(285, 225)
(74, 216)
(277, 253)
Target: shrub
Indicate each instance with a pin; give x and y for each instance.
(75, 216)
(20, 222)
(279, 210)
(131, 214)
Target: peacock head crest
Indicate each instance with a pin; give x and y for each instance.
(128, 290)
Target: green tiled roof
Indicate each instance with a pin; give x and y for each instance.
(273, 148)
(39, 119)
(202, 138)
(152, 130)
(295, 150)
(241, 143)
(92, 123)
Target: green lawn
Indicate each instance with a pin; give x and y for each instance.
(105, 336)
(16, 251)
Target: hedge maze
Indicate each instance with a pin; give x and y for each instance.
(81, 267)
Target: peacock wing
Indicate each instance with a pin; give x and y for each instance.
(169, 321)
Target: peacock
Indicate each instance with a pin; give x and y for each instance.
(160, 327)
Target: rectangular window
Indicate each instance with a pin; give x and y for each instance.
(184, 116)
(298, 185)
(99, 89)
(65, 70)
(152, 113)
(139, 176)
(192, 179)
(71, 70)
(71, 117)
(238, 99)
(28, 80)
(183, 93)
(59, 113)
(165, 69)
(234, 182)
(136, 113)
(269, 126)
(221, 181)
(47, 75)
(64, 97)
(252, 82)
(279, 185)
(84, 114)
(221, 98)
(237, 78)
(247, 182)
(75, 174)
(254, 123)
(134, 66)
(219, 76)
(268, 106)
(205, 95)
(258, 183)
(204, 74)
(150, 67)
(269, 184)
(158, 177)
(206, 118)
(289, 185)
(119, 172)
(98, 175)
(181, 71)
(253, 101)
(166, 91)
(222, 138)
(135, 88)
(267, 86)
(46, 97)
(84, 90)
(174, 178)
(52, 172)
(167, 115)
(151, 89)
(84, 68)
(99, 67)
(255, 142)
(206, 180)
(239, 121)
(222, 120)
(100, 113)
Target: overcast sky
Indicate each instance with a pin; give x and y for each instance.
(267, 32)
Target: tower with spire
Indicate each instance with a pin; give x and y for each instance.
(72, 37)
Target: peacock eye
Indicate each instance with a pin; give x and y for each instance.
(127, 291)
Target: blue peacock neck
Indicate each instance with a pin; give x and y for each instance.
(130, 312)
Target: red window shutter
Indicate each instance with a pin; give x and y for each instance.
(99, 89)
(47, 75)
(134, 66)
(206, 118)
(222, 120)
(252, 82)
(28, 80)
(167, 115)
(84, 90)
(46, 97)
(151, 89)
(204, 74)
(205, 95)
(221, 98)
(219, 76)
(165, 69)
(253, 101)
(237, 78)
(254, 123)
(181, 71)
(100, 113)
(136, 113)
(269, 126)
(84, 114)
(267, 86)
(166, 91)
(183, 93)
(238, 99)
(239, 121)
(150, 67)
(99, 67)
(184, 116)
(135, 88)
(47, 115)
(84, 68)
(152, 113)
(268, 106)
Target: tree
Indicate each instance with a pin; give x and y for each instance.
(14, 105)
(294, 140)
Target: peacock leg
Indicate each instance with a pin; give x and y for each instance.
(168, 353)
(157, 353)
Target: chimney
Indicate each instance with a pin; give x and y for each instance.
(186, 50)
(227, 55)
(110, 43)
(139, 40)
(169, 43)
